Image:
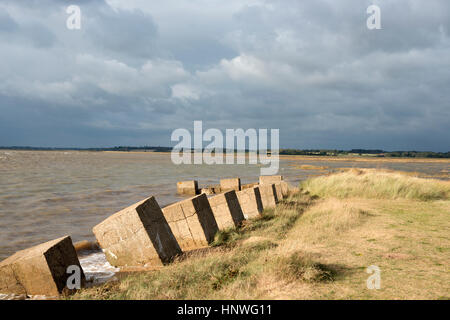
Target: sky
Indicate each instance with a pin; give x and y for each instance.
(137, 70)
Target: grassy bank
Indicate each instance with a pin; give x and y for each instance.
(377, 184)
(317, 244)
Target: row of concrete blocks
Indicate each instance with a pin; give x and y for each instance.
(143, 234)
(192, 188)
(140, 235)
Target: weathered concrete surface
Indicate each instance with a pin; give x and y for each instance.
(192, 222)
(268, 195)
(230, 184)
(278, 192)
(227, 210)
(249, 185)
(188, 187)
(270, 179)
(136, 236)
(39, 270)
(250, 201)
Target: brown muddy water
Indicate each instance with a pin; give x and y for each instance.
(47, 194)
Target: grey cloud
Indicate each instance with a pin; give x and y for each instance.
(7, 24)
(138, 70)
(129, 33)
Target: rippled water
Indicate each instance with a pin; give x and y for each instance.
(47, 194)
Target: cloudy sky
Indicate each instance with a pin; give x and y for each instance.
(138, 69)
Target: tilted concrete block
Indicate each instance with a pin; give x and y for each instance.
(188, 187)
(227, 210)
(250, 201)
(192, 222)
(278, 191)
(40, 270)
(270, 179)
(249, 185)
(230, 184)
(268, 195)
(137, 236)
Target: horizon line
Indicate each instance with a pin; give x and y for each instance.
(374, 150)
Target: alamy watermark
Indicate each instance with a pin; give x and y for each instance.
(233, 149)
(374, 20)
(73, 22)
(74, 280)
(373, 281)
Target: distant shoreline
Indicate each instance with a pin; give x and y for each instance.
(282, 151)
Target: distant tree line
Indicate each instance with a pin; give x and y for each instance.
(120, 148)
(418, 154)
(367, 152)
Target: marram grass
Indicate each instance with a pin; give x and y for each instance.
(377, 184)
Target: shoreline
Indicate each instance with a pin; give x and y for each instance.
(103, 275)
(317, 240)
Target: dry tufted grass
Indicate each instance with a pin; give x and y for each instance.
(378, 184)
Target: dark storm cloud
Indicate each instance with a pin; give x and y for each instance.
(139, 69)
(128, 33)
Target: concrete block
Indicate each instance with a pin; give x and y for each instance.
(188, 187)
(192, 222)
(227, 210)
(39, 270)
(268, 195)
(270, 179)
(278, 191)
(250, 201)
(249, 186)
(137, 236)
(230, 184)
